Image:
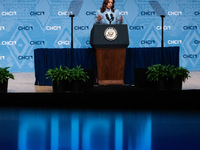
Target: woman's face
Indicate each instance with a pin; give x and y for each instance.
(110, 4)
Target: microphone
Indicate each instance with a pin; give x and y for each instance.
(112, 18)
(108, 18)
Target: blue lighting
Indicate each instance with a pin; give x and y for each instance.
(54, 132)
(98, 130)
(96, 133)
(32, 133)
(118, 133)
(75, 132)
(84, 131)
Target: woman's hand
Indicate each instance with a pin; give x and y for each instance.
(121, 18)
(99, 17)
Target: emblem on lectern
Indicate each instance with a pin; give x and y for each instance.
(110, 33)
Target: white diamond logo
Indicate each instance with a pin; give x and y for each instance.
(21, 48)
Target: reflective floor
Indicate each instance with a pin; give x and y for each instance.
(48, 129)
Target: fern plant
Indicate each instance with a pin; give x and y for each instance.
(158, 71)
(5, 75)
(59, 74)
(78, 73)
(181, 72)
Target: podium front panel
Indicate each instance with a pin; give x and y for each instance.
(98, 40)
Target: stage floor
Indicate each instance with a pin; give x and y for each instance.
(24, 82)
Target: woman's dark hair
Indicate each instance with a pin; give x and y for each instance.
(105, 2)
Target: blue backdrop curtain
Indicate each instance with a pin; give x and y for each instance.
(135, 58)
(145, 57)
(50, 58)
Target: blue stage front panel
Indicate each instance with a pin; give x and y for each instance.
(98, 130)
(83, 131)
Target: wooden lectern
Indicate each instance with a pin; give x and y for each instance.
(110, 42)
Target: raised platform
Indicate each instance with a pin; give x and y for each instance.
(23, 93)
(24, 83)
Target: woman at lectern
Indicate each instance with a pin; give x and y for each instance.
(107, 14)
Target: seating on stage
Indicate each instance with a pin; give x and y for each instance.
(135, 58)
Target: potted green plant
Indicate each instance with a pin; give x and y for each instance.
(76, 77)
(178, 76)
(158, 75)
(167, 77)
(65, 79)
(4, 76)
(60, 78)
